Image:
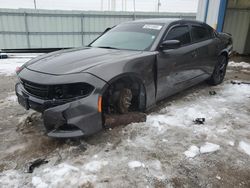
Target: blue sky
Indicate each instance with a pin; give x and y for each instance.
(141, 5)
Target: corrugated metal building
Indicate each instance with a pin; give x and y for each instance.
(237, 23)
(231, 16)
(30, 28)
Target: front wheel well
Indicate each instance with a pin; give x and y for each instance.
(111, 94)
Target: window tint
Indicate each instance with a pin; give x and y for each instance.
(200, 33)
(180, 33)
(134, 36)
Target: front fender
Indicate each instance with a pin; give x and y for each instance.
(142, 67)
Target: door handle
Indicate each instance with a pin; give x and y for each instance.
(194, 54)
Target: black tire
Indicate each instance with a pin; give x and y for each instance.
(124, 100)
(219, 71)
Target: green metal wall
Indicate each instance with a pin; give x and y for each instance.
(29, 28)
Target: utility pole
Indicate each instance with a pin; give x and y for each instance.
(113, 5)
(134, 5)
(35, 4)
(134, 10)
(158, 5)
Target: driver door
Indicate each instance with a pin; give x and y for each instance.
(175, 66)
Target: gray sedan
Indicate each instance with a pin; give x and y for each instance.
(130, 67)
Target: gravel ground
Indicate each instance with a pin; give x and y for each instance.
(168, 150)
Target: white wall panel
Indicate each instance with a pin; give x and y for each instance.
(29, 28)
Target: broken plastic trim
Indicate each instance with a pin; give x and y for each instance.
(199, 121)
(36, 163)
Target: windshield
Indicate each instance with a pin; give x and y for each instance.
(134, 36)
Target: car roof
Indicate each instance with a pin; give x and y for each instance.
(165, 21)
(157, 20)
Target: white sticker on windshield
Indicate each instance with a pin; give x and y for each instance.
(156, 27)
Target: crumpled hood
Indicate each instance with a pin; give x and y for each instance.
(76, 60)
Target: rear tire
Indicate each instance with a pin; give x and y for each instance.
(219, 71)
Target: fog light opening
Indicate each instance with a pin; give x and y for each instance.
(68, 127)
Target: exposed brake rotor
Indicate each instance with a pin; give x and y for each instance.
(124, 101)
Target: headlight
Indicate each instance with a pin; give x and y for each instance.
(68, 91)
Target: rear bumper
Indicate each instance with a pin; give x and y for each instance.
(65, 119)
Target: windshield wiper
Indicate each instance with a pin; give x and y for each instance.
(108, 47)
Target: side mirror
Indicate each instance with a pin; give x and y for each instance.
(170, 44)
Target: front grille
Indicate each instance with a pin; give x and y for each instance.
(59, 91)
(38, 90)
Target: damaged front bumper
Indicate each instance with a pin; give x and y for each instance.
(66, 118)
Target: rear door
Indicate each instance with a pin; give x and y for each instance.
(207, 48)
(175, 66)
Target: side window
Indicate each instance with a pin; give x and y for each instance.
(199, 33)
(180, 33)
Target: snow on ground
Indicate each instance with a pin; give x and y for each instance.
(63, 175)
(94, 167)
(135, 164)
(206, 148)
(182, 113)
(209, 147)
(244, 146)
(231, 143)
(243, 65)
(11, 98)
(192, 152)
(23, 55)
(10, 178)
(8, 66)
